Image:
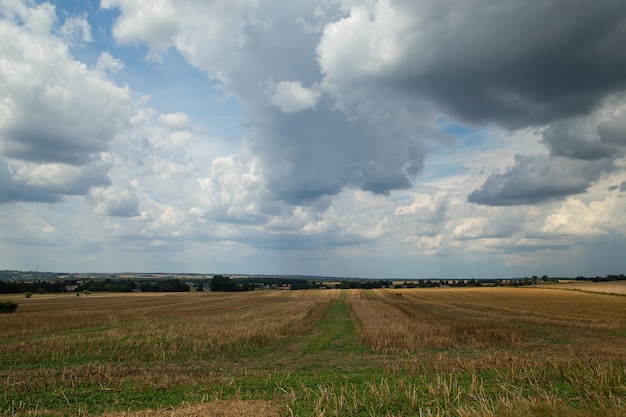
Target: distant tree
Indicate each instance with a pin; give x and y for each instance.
(222, 283)
(7, 307)
(172, 285)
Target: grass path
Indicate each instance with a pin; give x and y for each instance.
(332, 343)
(336, 333)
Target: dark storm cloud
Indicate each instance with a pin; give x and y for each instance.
(516, 64)
(318, 152)
(519, 63)
(535, 179)
(581, 150)
(562, 139)
(591, 137)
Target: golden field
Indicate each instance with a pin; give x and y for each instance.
(611, 287)
(389, 352)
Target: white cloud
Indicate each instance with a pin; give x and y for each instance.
(115, 201)
(59, 178)
(157, 22)
(575, 218)
(106, 62)
(76, 29)
(174, 120)
(55, 109)
(370, 41)
(37, 18)
(291, 96)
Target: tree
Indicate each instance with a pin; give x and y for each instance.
(222, 283)
(7, 307)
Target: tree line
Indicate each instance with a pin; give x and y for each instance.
(107, 285)
(16, 287)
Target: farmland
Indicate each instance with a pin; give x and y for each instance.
(381, 352)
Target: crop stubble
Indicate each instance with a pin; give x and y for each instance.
(485, 351)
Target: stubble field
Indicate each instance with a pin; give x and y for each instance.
(413, 352)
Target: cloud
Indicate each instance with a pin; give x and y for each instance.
(232, 192)
(575, 218)
(64, 179)
(114, 201)
(599, 134)
(303, 156)
(57, 117)
(53, 108)
(12, 191)
(581, 150)
(364, 126)
(174, 120)
(76, 29)
(535, 179)
(36, 18)
(515, 64)
(106, 62)
(156, 23)
(291, 96)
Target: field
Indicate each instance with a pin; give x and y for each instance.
(463, 352)
(612, 287)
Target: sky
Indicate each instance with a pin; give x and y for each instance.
(351, 138)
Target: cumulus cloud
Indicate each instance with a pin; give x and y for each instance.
(12, 191)
(174, 120)
(36, 18)
(575, 218)
(599, 134)
(232, 192)
(481, 61)
(581, 150)
(291, 96)
(76, 29)
(381, 67)
(56, 115)
(535, 179)
(302, 156)
(60, 178)
(106, 62)
(115, 201)
(156, 23)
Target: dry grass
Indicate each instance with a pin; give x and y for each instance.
(484, 318)
(108, 339)
(612, 287)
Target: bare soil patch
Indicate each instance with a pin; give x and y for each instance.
(233, 408)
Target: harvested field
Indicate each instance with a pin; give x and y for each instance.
(431, 352)
(612, 287)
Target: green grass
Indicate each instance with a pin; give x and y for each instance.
(335, 334)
